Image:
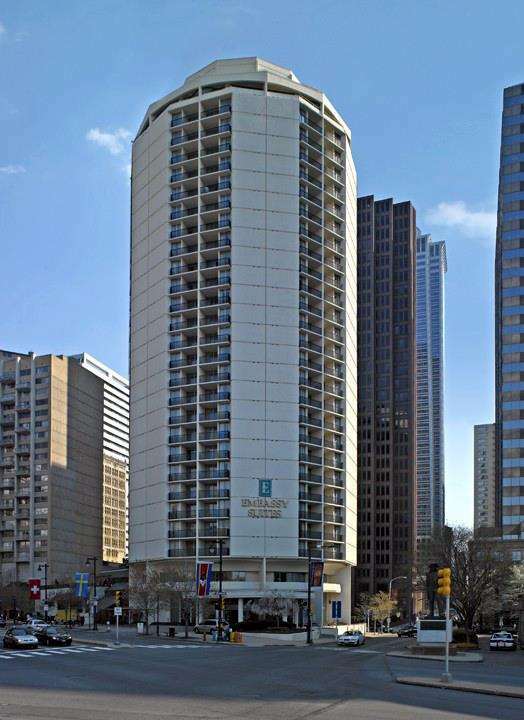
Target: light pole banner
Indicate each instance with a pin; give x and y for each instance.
(204, 575)
(82, 585)
(316, 572)
(34, 589)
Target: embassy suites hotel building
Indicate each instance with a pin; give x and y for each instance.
(243, 335)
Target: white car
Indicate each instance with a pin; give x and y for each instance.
(502, 641)
(351, 637)
(207, 626)
(36, 624)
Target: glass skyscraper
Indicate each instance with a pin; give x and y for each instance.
(509, 320)
(431, 266)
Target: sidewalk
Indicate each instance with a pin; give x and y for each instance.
(465, 686)
(128, 635)
(468, 657)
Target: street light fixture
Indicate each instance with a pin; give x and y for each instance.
(213, 550)
(93, 559)
(44, 567)
(398, 577)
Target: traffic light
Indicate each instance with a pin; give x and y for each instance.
(117, 598)
(444, 582)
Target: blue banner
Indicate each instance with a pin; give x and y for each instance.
(82, 585)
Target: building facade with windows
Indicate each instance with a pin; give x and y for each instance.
(115, 486)
(386, 397)
(509, 321)
(431, 268)
(243, 334)
(51, 440)
(484, 476)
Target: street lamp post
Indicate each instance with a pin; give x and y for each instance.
(44, 567)
(220, 543)
(308, 632)
(398, 577)
(309, 639)
(93, 559)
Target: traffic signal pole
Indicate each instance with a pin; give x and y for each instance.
(446, 677)
(444, 589)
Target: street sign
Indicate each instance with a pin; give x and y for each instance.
(118, 611)
(336, 609)
(46, 608)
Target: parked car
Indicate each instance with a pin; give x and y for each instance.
(351, 637)
(207, 626)
(408, 632)
(502, 641)
(20, 637)
(53, 635)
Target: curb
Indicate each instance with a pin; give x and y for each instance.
(462, 687)
(469, 658)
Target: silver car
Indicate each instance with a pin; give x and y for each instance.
(502, 641)
(207, 626)
(351, 637)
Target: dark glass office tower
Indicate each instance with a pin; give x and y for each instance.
(386, 233)
(509, 320)
(431, 269)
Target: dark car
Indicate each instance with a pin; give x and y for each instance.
(19, 637)
(53, 635)
(408, 632)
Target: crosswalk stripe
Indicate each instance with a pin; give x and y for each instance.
(20, 654)
(6, 657)
(55, 652)
(44, 654)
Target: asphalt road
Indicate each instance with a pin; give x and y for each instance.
(210, 682)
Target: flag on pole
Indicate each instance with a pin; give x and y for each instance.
(34, 589)
(316, 572)
(204, 575)
(82, 585)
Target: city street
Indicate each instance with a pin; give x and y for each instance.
(195, 680)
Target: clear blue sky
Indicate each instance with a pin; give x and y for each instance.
(419, 83)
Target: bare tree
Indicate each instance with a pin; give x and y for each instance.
(179, 585)
(480, 571)
(16, 595)
(272, 603)
(145, 588)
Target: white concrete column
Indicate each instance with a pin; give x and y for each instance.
(240, 616)
(295, 612)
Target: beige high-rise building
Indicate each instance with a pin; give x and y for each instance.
(116, 458)
(53, 453)
(243, 334)
(484, 476)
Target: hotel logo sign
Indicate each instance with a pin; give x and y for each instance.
(262, 507)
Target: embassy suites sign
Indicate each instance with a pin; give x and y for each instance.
(264, 507)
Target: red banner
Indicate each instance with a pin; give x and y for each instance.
(34, 589)
(204, 575)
